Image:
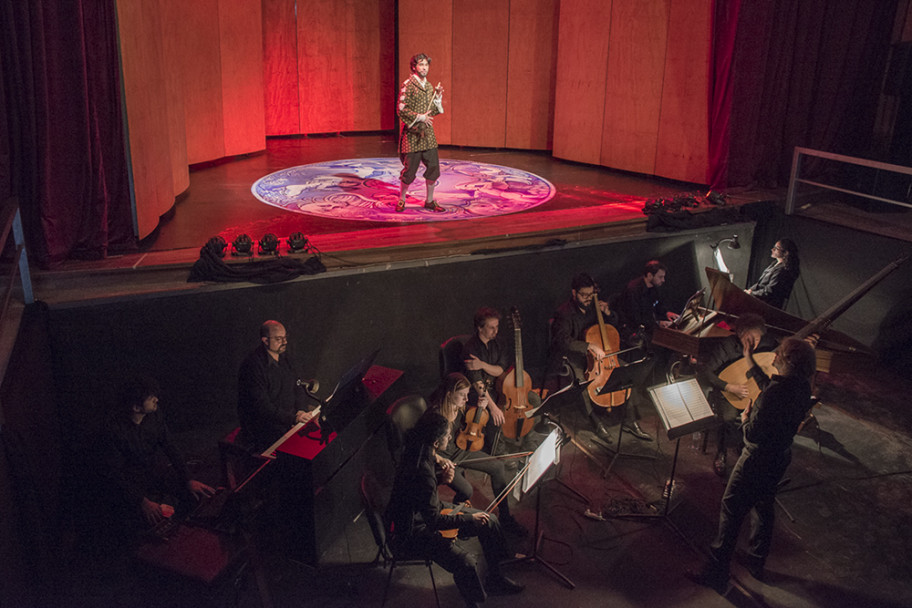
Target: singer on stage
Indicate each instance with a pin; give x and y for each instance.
(419, 102)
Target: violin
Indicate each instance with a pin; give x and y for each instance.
(513, 387)
(471, 437)
(606, 337)
(452, 532)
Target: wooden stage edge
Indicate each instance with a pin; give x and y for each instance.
(161, 273)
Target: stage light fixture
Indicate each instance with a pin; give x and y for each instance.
(242, 245)
(297, 242)
(732, 241)
(217, 245)
(269, 244)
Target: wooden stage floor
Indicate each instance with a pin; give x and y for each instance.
(219, 200)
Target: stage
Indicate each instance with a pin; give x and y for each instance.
(588, 204)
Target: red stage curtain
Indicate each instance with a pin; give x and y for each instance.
(68, 166)
(803, 74)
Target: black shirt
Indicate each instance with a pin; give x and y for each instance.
(131, 452)
(775, 417)
(639, 305)
(492, 353)
(268, 397)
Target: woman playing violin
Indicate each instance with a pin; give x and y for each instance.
(449, 400)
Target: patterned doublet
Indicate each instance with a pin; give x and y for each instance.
(414, 100)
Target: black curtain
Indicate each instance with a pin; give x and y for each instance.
(804, 74)
(64, 154)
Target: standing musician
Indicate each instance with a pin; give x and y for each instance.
(750, 337)
(416, 516)
(418, 104)
(449, 400)
(769, 427)
(775, 284)
(271, 396)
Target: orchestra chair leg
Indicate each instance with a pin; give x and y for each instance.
(374, 505)
(394, 562)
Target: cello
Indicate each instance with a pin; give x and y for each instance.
(606, 337)
(514, 387)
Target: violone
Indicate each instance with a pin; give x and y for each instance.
(606, 337)
(514, 389)
(471, 437)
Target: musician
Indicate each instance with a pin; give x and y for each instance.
(750, 337)
(775, 284)
(271, 396)
(136, 443)
(486, 359)
(415, 515)
(640, 306)
(419, 102)
(568, 331)
(449, 400)
(769, 426)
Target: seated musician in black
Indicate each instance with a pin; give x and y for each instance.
(640, 307)
(271, 396)
(568, 345)
(750, 337)
(449, 400)
(775, 284)
(137, 449)
(486, 358)
(415, 517)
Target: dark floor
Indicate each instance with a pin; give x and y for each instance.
(842, 532)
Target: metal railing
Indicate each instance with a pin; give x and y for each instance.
(795, 179)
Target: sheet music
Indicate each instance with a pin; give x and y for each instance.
(683, 407)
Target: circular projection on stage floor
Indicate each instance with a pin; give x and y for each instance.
(368, 189)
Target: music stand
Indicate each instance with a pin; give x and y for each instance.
(623, 378)
(547, 454)
(683, 409)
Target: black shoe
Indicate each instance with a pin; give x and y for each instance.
(709, 578)
(634, 429)
(720, 464)
(511, 526)
(602, 432)
(501, 585)
(754, 567)
(400, 206)
(433, 206)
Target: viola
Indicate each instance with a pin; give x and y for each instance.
(471, 437)
(606, 337)
(514, 389)
(452, 532)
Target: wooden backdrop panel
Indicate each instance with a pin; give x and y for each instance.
(636, 68)
(481, 31)
(280, 67)
(145, 88)
(427, 28)
(532, 67)
(173, 53)
(345, 59)
(683, 145)
(582, 63)
(198, 27)
(241, 52)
